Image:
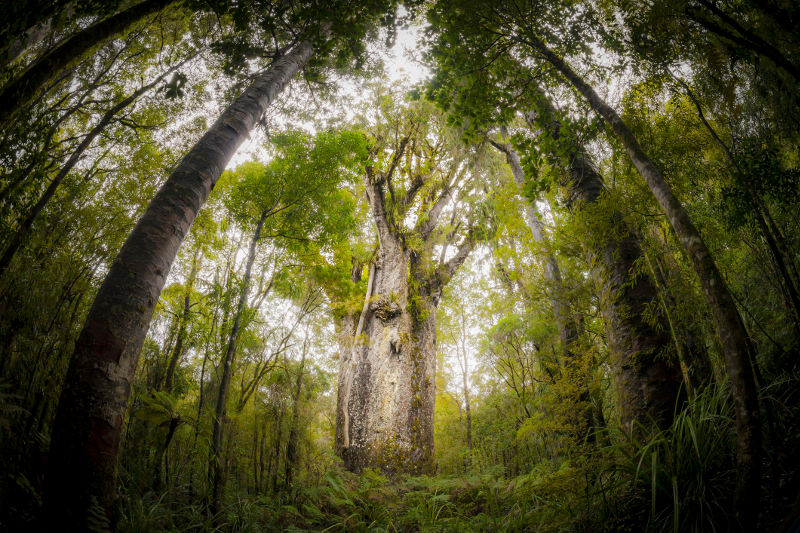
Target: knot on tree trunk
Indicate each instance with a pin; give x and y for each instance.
(386, 309)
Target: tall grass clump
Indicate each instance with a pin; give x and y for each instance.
(684, 476)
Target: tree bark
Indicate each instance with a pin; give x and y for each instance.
(215, 460)
(647, 378)
(731, 331)
(742, 37)
(389, 384)
(346, 326)
(20, 91)
(85, 437)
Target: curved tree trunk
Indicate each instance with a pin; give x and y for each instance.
(647, 377)
(730, 328)
(567, 328)
(565, 321)
(21, 90)
(86, 431)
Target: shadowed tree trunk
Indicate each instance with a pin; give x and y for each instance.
(733, 31)
(647, 376)
(162, 452)
(688, 337)
(218, 478)
(730, 328)
(177, 352)
(21, 90)
(565, 321)
(294, 431)
(86, 431)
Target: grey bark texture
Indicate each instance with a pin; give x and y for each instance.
(86, 431)
(387, 380)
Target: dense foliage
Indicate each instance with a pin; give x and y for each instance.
(593, 210)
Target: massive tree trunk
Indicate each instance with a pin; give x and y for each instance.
(387, 383)
(387, 420)
(730, 328)
(647, 376)
(216, 463)
(21, 90)
(86, 431)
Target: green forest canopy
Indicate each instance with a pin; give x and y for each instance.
(377, 266)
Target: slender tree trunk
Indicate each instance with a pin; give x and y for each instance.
(276, 456)
(291, 444)
(225, 381)
(742, 36)
(21, 90)
(565, 321)
(688, 338)
(25, 226)
(731, 331)
(568, 331)
(201, 392)
(772, 236)
(177, 352)
(162, 451)
(85, 437)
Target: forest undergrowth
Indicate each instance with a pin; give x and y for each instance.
(676, 480)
